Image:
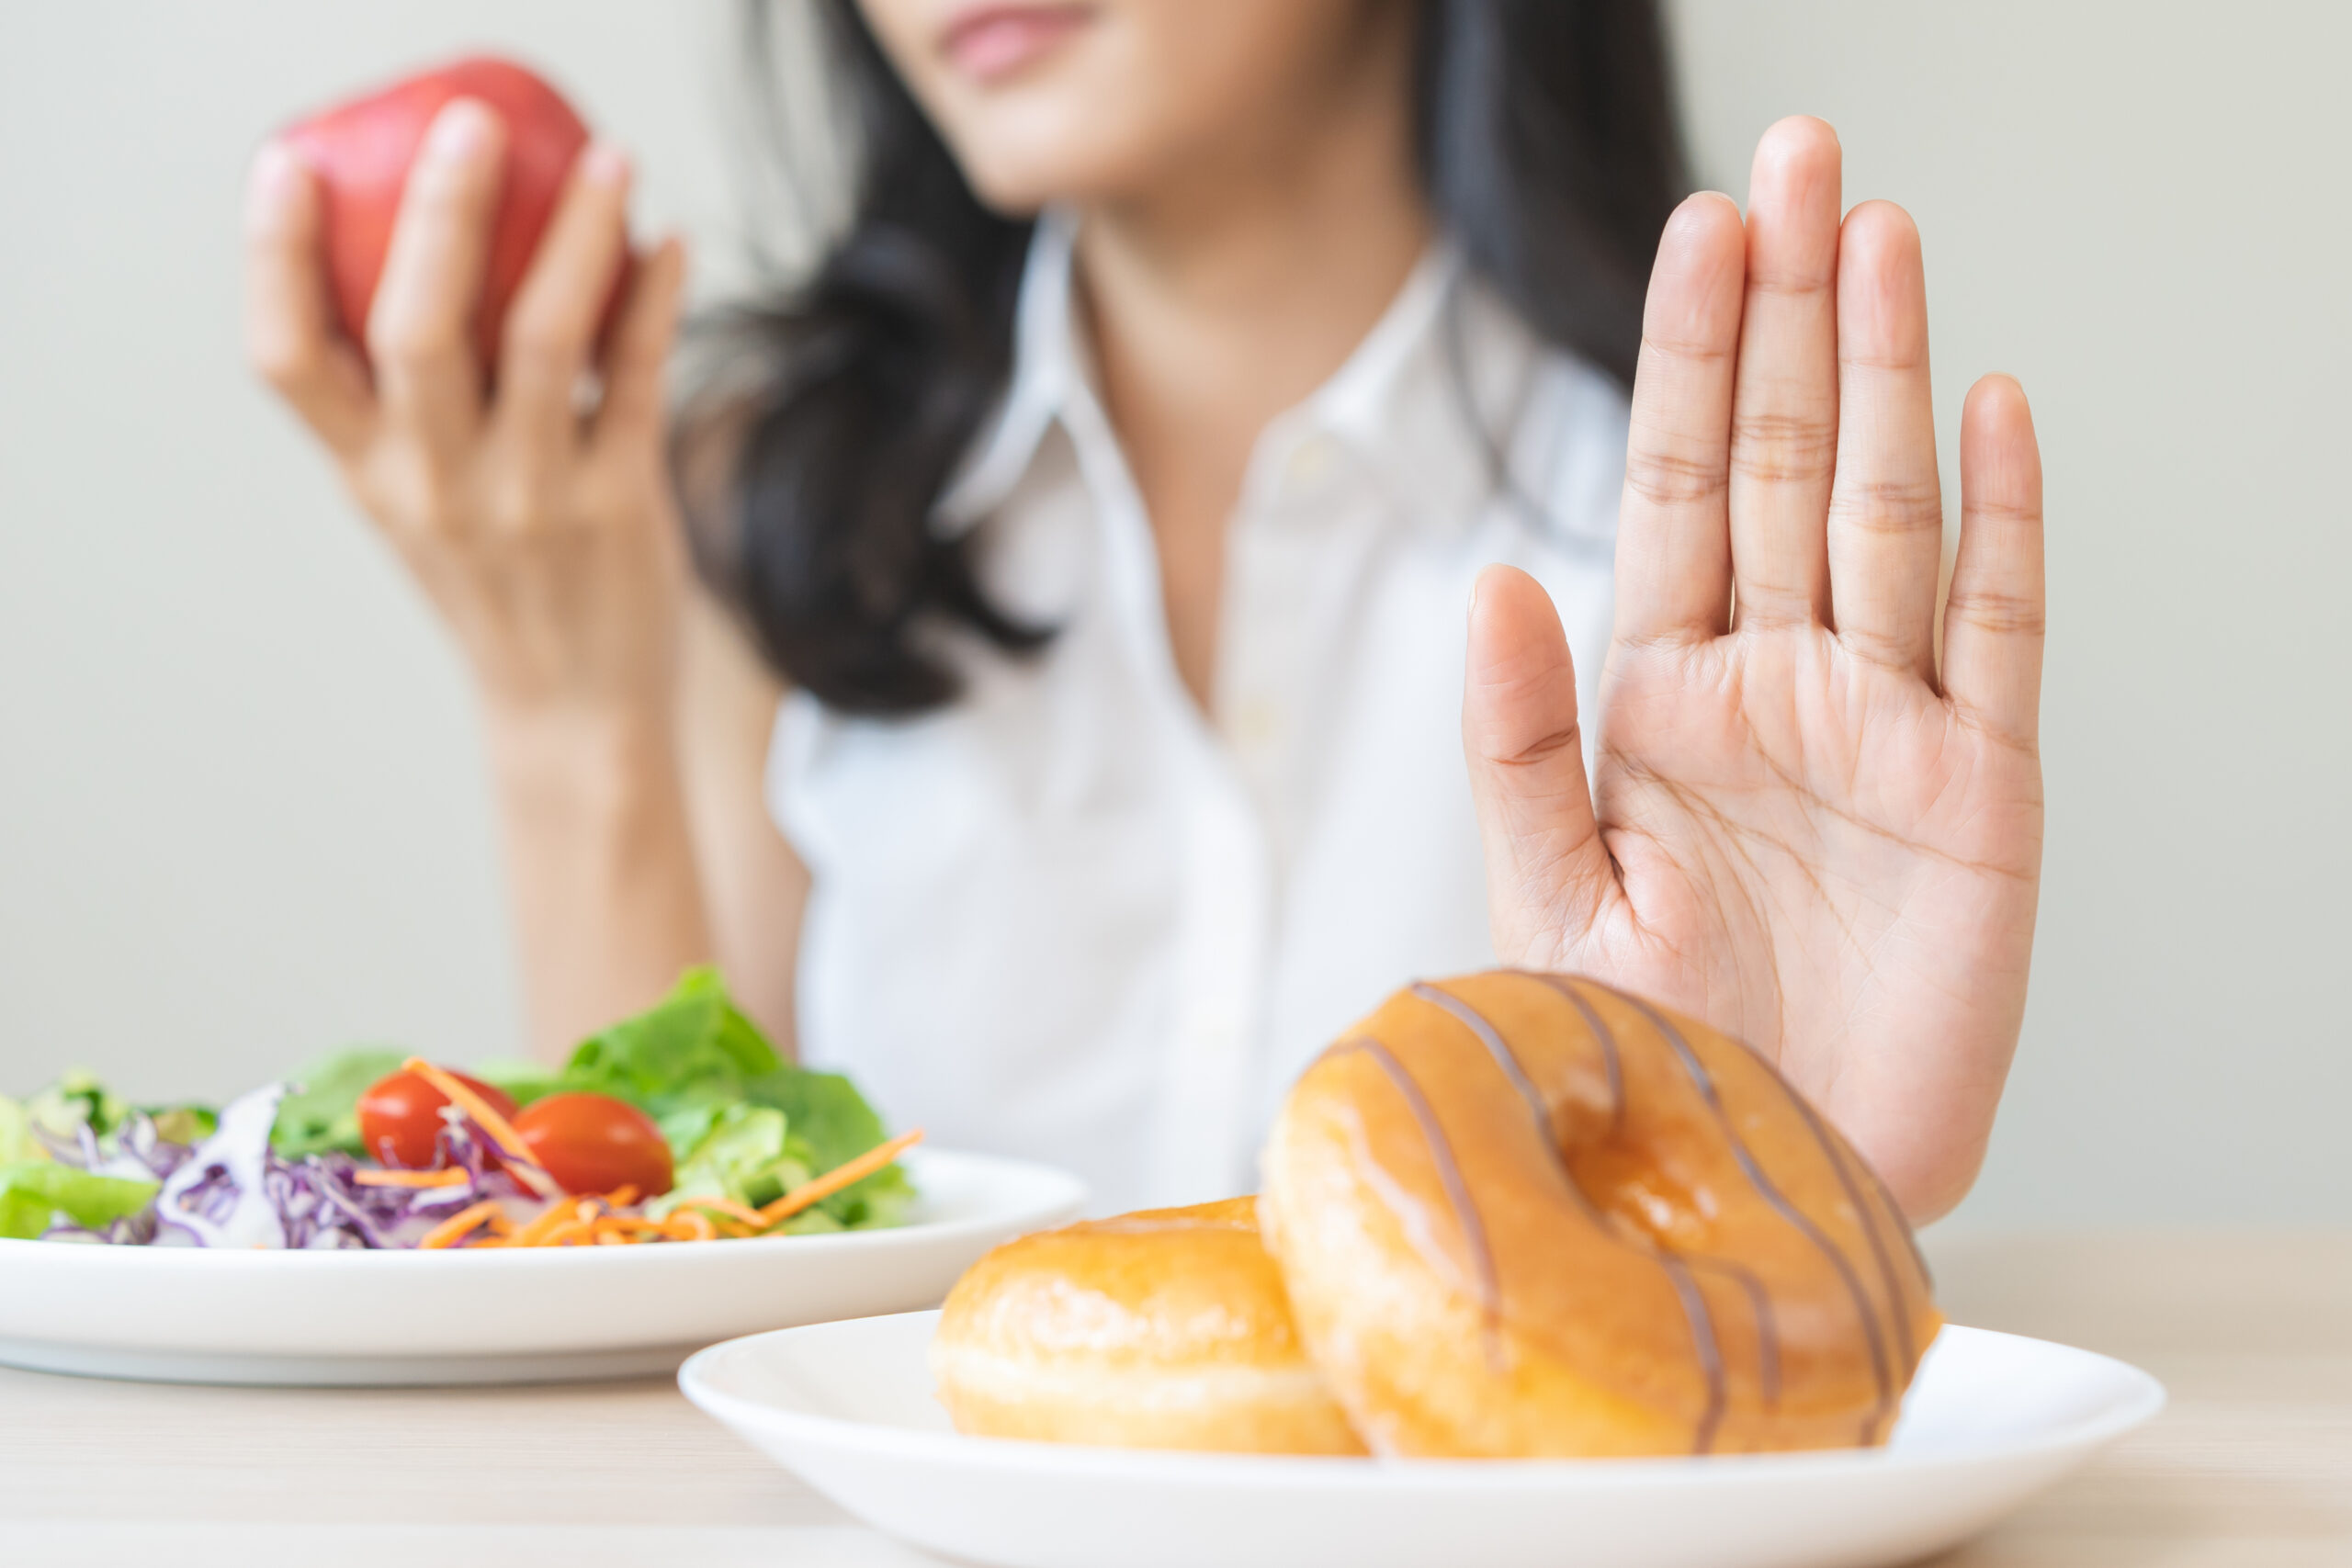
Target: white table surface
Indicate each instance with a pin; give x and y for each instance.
(2250, 1468)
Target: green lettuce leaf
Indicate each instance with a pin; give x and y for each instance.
(183, 1124)
(829, 1115)
(77, 1100)
(18, 1144)
(691, 1049)
(884, 1199)
(745, 1154)
(32, 1191)
(322, 1113)
(741, 1121)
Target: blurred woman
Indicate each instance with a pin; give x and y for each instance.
(1071, 740)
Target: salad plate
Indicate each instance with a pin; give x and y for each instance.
(373, 1218)
(462, 1315)
(1990, 1419)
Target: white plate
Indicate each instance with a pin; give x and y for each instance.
(191, 1316)
(1991, 1419)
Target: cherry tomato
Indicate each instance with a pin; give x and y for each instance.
(400, 1117)
(593, 1143)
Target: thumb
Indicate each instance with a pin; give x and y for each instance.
(1548, 873)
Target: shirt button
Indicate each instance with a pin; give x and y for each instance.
(1313, 459)
(1257, 722)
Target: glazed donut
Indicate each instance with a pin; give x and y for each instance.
(1526, 1215)
(1162, 1329)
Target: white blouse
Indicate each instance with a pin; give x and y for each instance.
(1073, 918)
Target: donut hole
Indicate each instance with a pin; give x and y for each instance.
(1640, 1193)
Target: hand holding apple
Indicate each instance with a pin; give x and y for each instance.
(544, 530)
(362, 151)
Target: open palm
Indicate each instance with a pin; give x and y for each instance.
(1798, 827)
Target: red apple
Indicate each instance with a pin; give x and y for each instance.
(361, 152)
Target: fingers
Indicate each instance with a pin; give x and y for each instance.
(420, 331)
(1784, 408)
(1992, 622)
(550, 330)
(1673, 552)
(290, 335)
(1886, 515)
(639, 356)
(1548, 873)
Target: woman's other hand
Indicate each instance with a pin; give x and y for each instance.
(535, 510)
(1801, 827)
(543, 530)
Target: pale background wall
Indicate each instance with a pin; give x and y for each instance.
(240, 808)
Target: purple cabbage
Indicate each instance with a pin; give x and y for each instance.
(236, 1190)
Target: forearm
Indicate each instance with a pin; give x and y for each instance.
(607, 902)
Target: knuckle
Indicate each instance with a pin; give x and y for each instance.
(414, 495)
(280, 358)
(1901, 360)
(1986, 510)
(1995, 611)
(407, 337)
(1790, 282)
(518, 503)
(1889, 650)
(1687, 346)
(1665, 478)
(540, 346)
(1896, 508)
(1784, 448)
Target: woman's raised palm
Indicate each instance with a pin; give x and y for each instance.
(1798, 827)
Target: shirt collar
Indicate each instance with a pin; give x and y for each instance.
(1047, 368)
(1395, 404)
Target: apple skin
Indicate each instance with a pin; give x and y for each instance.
(361, 152)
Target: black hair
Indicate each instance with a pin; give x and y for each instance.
(1547, 146)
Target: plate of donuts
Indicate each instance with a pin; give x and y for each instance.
(850, 1407)
(1540, 1273)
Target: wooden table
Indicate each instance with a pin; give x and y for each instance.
(2251, 1467)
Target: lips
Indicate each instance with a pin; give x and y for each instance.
(992, 43)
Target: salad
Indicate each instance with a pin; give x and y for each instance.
(680, 1124)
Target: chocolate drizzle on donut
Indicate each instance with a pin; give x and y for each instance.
(1863, 1308)
(1843, 1161)
(1449, 1173)
(1605, 1037)
(1767, 1326)
(1706, 1342)
(1709, 1348)
(1505, 1057)
(1902, 1225)
(1868, 1216)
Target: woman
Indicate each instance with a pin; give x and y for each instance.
(1101, 511)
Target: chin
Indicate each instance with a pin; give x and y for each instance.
(1039, 159)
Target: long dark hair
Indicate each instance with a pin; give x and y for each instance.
(1547, 145)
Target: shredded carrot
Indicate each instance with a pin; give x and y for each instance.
(591, 1221)
(843, 1175)
(453, 1229)
(503, 1135)
(630, 1224)
(567, 1233)
(729, 1207)
(529, 1235)
(450, 1178)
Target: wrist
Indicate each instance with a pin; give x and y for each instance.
(568, 760)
